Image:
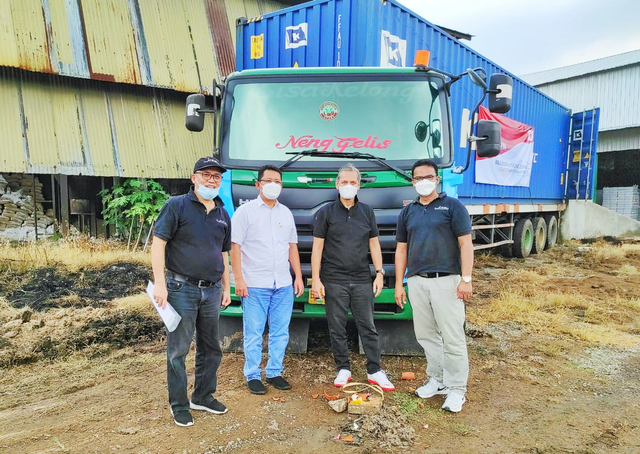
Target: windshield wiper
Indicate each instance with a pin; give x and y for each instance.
(298, 155)
(348, 155)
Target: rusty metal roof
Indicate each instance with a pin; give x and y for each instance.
(178, 44)
(53, 124)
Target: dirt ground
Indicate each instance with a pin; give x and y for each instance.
(82, 370)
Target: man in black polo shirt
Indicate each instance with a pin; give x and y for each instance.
(344, 232)
(434, 246)
(192, 238)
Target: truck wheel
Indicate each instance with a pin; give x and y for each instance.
(522, 238)
(539, 234)
(552, 230)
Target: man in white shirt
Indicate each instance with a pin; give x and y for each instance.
(264, 244)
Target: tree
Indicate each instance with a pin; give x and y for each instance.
(132, 207)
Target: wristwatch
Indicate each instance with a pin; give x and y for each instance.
(381, 271)
(466, 279)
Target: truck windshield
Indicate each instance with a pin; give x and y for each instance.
(399, 120)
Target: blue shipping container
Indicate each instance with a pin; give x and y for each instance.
(385, 33)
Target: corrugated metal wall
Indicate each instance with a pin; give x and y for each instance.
(178, 44)
(616, 92)
(65, 123)
(626, 139)
(52, 124)
(350, 33)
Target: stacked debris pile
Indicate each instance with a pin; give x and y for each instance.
(18, 218)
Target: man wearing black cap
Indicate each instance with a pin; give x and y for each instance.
(192, 238)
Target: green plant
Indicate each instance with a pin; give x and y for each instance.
(132, 207)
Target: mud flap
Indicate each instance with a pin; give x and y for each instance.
(396, 338)
(230, 334)
(298, 335)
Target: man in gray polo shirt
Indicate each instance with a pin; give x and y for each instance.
(434, 246)
(264, 243)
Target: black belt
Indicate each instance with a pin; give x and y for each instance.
(200, 283)
(432, 275)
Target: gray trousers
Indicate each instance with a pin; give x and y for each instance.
(438, 321)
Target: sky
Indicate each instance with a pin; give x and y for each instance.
(526, 36)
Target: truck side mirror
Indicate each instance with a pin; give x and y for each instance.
(194, 120)
(487, 139)
(500, 93)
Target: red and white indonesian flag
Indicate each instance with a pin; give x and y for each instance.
(512, 167)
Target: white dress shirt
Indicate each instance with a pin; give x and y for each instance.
(264, 235)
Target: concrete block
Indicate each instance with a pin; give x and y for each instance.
(585, 219)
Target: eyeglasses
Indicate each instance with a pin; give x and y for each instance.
(216, 177)
(428, 177)
(268, 180)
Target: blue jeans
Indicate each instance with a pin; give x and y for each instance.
(262, 304)
(200, 311)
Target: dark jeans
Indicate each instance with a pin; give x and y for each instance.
(340, 297)
(200, 311)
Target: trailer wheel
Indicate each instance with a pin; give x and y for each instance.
(522, 238)
(539, 234)
(552, 231)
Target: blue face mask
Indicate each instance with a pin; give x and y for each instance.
(207, 193)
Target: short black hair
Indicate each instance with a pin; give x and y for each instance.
(424, 162)
(268, 167)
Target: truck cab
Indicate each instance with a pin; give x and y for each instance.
(311, 121)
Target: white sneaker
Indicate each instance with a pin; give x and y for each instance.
(432, 388)
(380, 378)
(344, 376)
(454, 402)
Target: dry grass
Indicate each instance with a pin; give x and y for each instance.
(135, 303)
(602, 252)
(628, 270)
(521, 298)
(75, 254)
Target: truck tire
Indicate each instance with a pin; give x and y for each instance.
(539, 235)
(552, 230)
(522, 238)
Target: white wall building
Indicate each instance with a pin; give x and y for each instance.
(613, 85)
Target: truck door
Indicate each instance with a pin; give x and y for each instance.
(582, 159)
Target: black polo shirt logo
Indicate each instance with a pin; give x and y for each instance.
(441, 208)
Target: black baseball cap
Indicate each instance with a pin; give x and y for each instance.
(206, 162)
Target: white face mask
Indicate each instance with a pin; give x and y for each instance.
(271, 190)
(348, 191)
(425, 187)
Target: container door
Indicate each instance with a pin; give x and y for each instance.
(582, 159)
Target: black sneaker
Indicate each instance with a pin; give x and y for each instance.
(279, 383)
(182, 418)
(256, 387)
(215, 406)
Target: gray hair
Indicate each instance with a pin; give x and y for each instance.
(348, 168)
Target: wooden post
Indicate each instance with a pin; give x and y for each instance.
(64, 204)
(54, 199)
(93, 227)
(35, 206)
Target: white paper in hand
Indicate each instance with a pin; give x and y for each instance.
(168, 315)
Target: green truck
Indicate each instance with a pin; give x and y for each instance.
(311, 121)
